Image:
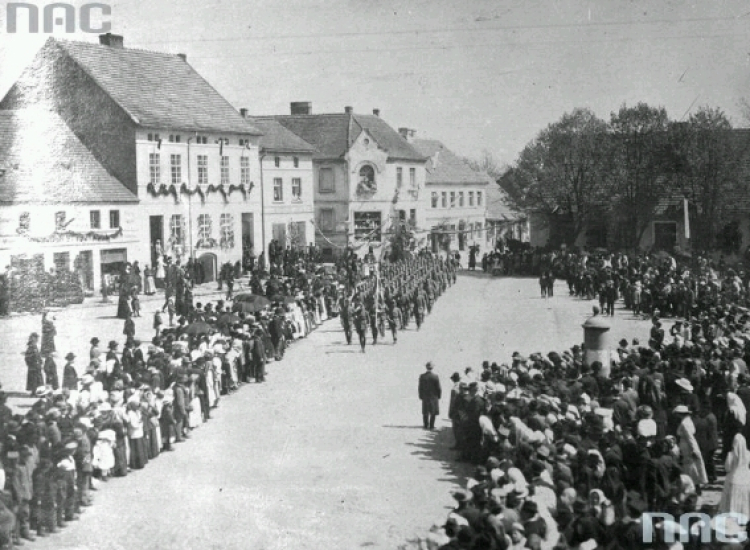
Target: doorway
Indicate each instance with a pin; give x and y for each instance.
(156, 223)
(248, 238)
(208, 261)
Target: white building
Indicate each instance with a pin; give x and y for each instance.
(455, 199)
(286, 180)
(367, 177)
(59, 207)
(156, 126)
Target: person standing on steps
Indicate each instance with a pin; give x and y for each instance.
(430, 393)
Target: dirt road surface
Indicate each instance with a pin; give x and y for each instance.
(329, 452)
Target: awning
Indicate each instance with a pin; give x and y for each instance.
(118, 255)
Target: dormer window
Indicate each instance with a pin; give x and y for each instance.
(277, 161)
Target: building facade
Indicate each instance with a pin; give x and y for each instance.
(189, 159)
(60, 210)
(286, 180)
(367, 178)
(455, 199)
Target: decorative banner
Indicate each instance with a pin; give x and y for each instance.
(59, 236)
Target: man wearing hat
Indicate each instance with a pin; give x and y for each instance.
(430, 393)
(33, 357)
(70, 375)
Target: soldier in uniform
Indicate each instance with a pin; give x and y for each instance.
(394, 318)
(345, 316)
(361, 322)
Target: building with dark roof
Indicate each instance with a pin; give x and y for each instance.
(161, 130)
(455, 199)
(58, 204)
(367, 178)
(286, 185)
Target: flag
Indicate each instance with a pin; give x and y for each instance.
(687, 218)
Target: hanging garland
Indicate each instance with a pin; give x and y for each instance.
(59, 236)
(163, 190)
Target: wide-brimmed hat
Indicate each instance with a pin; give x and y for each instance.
(685, 384)
(94, 340)
(70, 356)
(681, 409)
(112, 344)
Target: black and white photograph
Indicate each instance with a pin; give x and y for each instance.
(389, 275)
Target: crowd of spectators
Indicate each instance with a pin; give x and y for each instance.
(569, 458)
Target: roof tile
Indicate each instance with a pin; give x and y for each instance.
(43, 162)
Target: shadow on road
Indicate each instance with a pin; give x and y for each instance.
(436, 445)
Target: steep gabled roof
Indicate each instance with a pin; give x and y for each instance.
(157, 90)
(276, 138)
(43, 162)
(333, 134)
(445, 167)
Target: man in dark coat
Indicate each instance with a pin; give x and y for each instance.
(429, 393)
(34, 377)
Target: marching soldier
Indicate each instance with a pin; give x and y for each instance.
(394, 318)
(361, 322)
(345, 316)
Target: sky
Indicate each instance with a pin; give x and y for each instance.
(479, 75)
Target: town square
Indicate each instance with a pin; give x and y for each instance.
(403, 275)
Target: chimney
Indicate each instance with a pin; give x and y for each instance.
(301, 108)
(348, 110)
(111, 40)
(243, 112)
(407, 134)
(182, 56)
(376, 112)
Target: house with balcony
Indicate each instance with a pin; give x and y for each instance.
(286, 185)
(161, 130)
(367, 178)
(455, 199)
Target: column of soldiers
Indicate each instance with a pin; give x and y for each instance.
(393, 295)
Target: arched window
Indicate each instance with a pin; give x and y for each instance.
(367, 178)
